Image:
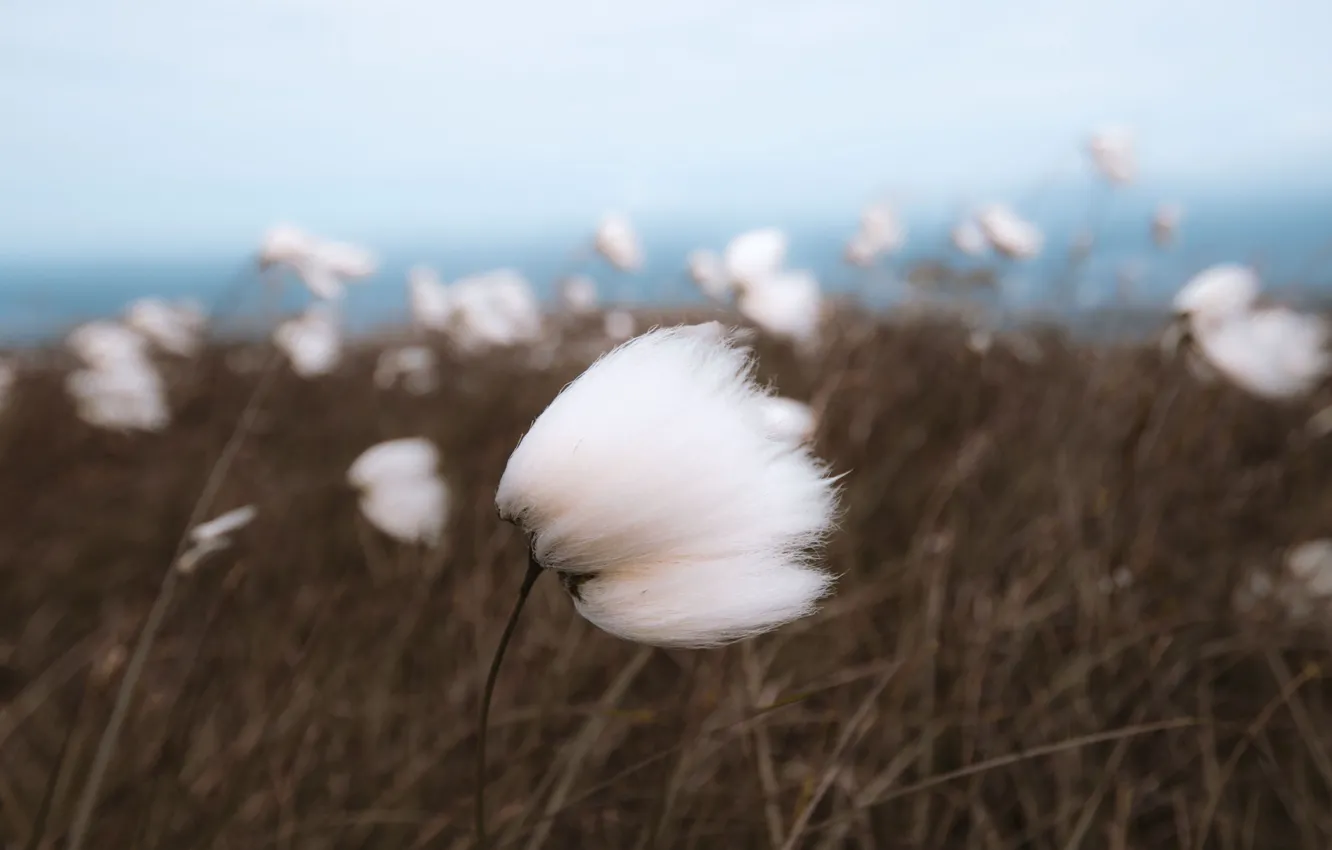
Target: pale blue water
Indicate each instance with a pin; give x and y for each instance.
(1289, 239)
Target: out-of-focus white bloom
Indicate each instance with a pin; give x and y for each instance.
(124, 396)
(401, 492)
(968, 238)
(617, 241)
(312, 341)
(1271, 352)
(493, 309)
(428, 299)
(619, 325)
(880, 233)
(8, 377)
(578, 294)
(755, 256)
(1111, 153)
(175, 328)
(788, 304)
(214, 536)
(790, 420)
(323, 266)
(1010, 234)
(1165, 223)
(1304, 587)
(414, 365)
(709, 274)
(654, 488)
(107, 343)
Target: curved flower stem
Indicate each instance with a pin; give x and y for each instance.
(533, 570)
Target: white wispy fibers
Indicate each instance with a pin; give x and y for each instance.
(652, 483)
(1269, 351)
(1112, 154)
(1165, 223)
(214, 536)
(880, 233)
(415, 366)
(177, 328)
(754, 256)
(1009, 234)
(708, 273)
(323, 266)
(312, 342)
(619, 325)
(428, 299)
(401, 492)
(968, 238)
(618, 242)
(787, 304)
(577, 294)
(789, 420)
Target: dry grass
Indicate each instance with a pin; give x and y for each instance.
(969, 686)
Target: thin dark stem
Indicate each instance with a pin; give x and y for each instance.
(533, 570)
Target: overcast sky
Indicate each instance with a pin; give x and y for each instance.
(162, 125)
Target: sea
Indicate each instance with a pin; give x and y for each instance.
(1286, 237)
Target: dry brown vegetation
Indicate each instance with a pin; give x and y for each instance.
(970, 685)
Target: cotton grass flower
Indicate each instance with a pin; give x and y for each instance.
(880, 233)
(121, 390)
(708, 273)
(1112, 155)
(577, 294)
(968, 238)
(754, 256)
(176, 328)
(789, 420)
(1009, 234)
(787, 305)
(493, 310)
(214, 536)
(428, 299)
(653, 487)
(414, 366)
(312, 342)
(401, 493)
(323, 266)
(1268, 351)
(617, 241)
(1165, 223)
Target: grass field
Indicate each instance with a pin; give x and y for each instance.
(974, 683)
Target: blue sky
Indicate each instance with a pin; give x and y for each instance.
(150, 127)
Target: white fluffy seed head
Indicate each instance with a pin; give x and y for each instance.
(618, 242)
(1220, 290)
(653, 485)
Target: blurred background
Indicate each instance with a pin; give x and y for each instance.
(147, 146)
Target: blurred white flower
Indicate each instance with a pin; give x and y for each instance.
(880, 233)
(175, 328)
(323, 266)
(401, 492)
(414, 365)
(125, 396)
(754, 256)
(1271, 352)
(654, 488)
(709, 274)
(428, 298)
(493, 309)
(312, 341)
(214, 536)
(1010, 234)
(968, 238)
(1165, 223)
(787, 304)
(107, 343)
(617, 241)
(578, 294)
(619, 325)
(789, 420)
(1112, 155)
